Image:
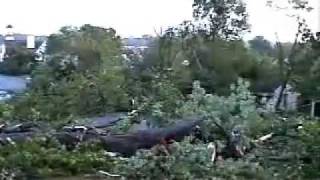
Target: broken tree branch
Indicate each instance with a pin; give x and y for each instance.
(214, 151)
(108, 174)
(264, 138)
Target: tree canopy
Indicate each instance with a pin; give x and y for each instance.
(221, 18)
(188, 103)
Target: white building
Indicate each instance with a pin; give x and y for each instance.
(289, 101)
(2, 52)
(31, 42)
(40, 52)
(36, 44)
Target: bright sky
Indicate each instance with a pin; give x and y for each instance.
(132, 17)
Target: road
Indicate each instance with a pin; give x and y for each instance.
(13, 84)
(10, 85)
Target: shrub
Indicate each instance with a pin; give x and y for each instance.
(5, 111)
(81, 95)
(311, 143)
(42, 159)
(20, 61)
(187, 161)
(237, 111)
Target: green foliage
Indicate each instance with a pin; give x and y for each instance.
(5, 111)
(235, 111)
(84, 95)
(20, 61)
(216, 64)
(186, 161)
(85, 75)
(227, 19)
(311, 143)
(42, 159)
(94, 46)
(164, 99)
(292, 153)
(155, 93)
(222, 64)
(159, 99)
(82, 76)
(266, 75)
(306, 71)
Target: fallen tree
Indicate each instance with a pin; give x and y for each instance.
(124, 144)
(128, 144)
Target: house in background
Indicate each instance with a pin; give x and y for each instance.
(2, 48)
(268, 97)
(137, 44)
(11, 40)
(289, 101)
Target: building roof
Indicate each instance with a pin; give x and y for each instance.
(21, 39)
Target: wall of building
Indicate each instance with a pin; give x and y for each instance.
(289, 100)
(2, 52)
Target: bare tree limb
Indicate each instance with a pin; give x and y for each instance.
(108, 174)
(214, 151)
(286, 77)
(264, 138)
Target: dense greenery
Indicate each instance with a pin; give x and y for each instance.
(219, 18)
(216, 64)
(291, 153)
(33, 160)
(201, 68)
(19, 61)
(83, 76)
(187, 161)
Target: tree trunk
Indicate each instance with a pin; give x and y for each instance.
(279, 100)
(195, 56)
(283, 87)
(282, 62)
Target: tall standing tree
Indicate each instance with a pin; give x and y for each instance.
(93, 46)
(208, 48)
(306, 72)
(287, 61)
(84, 70)
(221, 18)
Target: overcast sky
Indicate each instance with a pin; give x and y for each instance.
(133, 17)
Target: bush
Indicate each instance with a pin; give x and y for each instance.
(237, 111)
(42, 159)
(155, 95)
(20, 61)
(5, 111)
(292, 152)
(311, 142)
(83, 75)
(164, 98)
(187, 161)
(79, 95)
